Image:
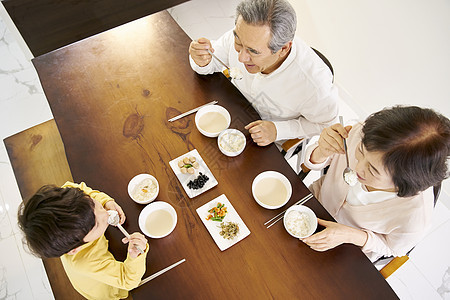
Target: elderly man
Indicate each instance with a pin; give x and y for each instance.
(285, 81)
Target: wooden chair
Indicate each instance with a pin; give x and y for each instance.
(325, 60)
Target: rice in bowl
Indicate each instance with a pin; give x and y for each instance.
(298, 223)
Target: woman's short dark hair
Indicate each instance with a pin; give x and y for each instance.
(55, 220)
(415, 142)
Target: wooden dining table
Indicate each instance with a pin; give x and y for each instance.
(112, 95)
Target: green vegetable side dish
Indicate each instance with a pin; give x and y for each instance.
(217, 213)
(229, 230)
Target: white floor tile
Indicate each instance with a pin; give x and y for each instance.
(196, 31)
(22, 113)
(13, 283)
(9, 192)
(431, 256)
(220, 25)
(441, 213)
(22, 105)
(6, 229)
(22, 100)
(34, 268)
(409, 283)
(444, 198)
(205, 18)
(228, 7)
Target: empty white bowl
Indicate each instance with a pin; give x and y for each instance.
(231, 142)
(271, 189)
(300, 221)
(158, 219)
(140, 197)
(217, 120)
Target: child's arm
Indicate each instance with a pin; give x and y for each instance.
(94, 194)
(98, 264)
(106, 201)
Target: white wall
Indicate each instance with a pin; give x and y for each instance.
(384, 52)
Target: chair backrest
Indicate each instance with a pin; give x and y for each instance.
(325, 60)
(437, 192)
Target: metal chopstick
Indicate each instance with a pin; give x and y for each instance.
(281, 214)
(307, 197)
(192, 111)
(161, 272)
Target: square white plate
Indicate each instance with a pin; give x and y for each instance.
(185, 178)
(214, 226)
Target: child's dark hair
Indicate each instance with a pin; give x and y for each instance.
(416, 145)
(55, 220)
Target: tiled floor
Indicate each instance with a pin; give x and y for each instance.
(22, 105)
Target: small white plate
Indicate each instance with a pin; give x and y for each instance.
(214, 226)
(185, 178)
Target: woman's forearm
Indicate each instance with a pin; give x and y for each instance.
(358, 237)
(317, 157)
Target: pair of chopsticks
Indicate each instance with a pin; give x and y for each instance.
(280, 216)
(160, 272)
(191, 111)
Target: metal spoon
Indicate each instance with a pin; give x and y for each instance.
(233, 73)
(349, 175)
(221, 62)
(114, 220)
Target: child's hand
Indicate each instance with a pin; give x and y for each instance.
(136, 239)
(112, 205)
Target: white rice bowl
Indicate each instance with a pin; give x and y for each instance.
(300, 221)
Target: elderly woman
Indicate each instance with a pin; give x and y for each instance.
(398, 154)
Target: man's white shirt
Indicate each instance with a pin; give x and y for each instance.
(298, 97)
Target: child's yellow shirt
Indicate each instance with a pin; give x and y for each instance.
(94, 272)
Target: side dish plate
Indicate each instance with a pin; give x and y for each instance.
(214, 226)
(185, 178)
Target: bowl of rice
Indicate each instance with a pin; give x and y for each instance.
(300, 221)
(231, 142)
(143, 188)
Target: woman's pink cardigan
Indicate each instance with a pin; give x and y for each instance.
(393, 226)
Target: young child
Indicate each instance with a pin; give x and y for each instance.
(70, 222)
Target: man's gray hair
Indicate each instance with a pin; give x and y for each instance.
(279, 15)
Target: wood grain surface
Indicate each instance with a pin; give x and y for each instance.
(111, 96)
(46, 25)
(37, 156)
